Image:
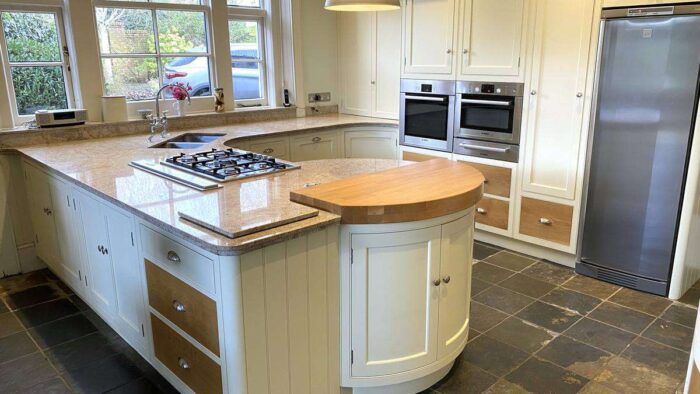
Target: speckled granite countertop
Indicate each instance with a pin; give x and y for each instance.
(101, 166)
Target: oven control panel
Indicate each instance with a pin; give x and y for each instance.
(497, 89)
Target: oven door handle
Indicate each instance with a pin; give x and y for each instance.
(485, 148)
(488, 102)
(426, 98)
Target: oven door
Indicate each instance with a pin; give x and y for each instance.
(427, 121)
(490, 118)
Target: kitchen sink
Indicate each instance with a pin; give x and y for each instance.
(188, 141)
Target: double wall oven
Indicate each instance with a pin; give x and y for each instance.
(471, 118)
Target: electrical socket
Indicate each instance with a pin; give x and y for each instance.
(317, 97)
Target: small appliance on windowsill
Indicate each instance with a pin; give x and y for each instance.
(60, 117)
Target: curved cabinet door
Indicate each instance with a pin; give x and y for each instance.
(455, 273)
(394, 302)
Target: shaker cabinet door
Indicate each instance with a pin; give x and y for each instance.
(373, 144)
(42, 216)
(69, 234)
(429, 38)
(356, 75)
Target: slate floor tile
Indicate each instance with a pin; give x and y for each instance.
(600, 335)
(622, 317)
(575, 356)
(23, 373)
(597, 388)
(691, 297)
(493, 356)
(140, 386)
(503, 386)
(482, 318)
(3, 307)
(549, 272)
(540, 376)
(520, 334)
(670, 334)
(528, 286)
(590, 286)
(511, 261)
(53, 386)
(661, 358)
(680, 314)
(626, 376)
(102, 376)
(60, 331)
(15, 346)
(490, 273)
(571, 300)
(478, 286)
(24, 281)
(647, 303)
(46, 312)
(9, 324)
(465, 378)
(473, 334)
(548, 316)
(503, 299)
(482, 251)
(82, 351)
(31, 296)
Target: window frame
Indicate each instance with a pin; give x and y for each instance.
(64, 63)
(199, 104)
(257, 15)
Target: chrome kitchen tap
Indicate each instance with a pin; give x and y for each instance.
(158, 122)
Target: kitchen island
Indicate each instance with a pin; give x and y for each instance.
(311, 302)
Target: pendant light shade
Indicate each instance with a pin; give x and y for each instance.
(362, 5)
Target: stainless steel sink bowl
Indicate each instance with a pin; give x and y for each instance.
(188, 141)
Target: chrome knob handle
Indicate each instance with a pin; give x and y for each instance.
(373, 82)
(533, 92)
(178, 306)
(316, 139)
(465, 51)
(449, 51)
(173, 257)
(481, 210)
(545, 221)
(182, 363)
(579, 94)
(436, 282)
(446, 279)
(268, 151)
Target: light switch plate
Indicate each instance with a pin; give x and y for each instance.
(318, 97)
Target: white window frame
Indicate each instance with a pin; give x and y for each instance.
(199, 104)
(64, 63)
(251, 14)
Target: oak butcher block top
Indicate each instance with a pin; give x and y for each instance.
(418, 191)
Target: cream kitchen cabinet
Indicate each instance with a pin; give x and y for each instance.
(558, 84)
(316, 146)
(42, 216)
(69, 233)
(492, 39)
(276, 147)
(429, 43)
(371, 143)
(370, 53)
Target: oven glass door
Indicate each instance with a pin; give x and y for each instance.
(486, 113)
(426, 116)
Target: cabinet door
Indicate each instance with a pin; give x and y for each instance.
(68, 233)
(372, 144)
(355, 46)
(394, 301)
(429, 37)
(275, 147)
(492, 34)
(39, 194)
(316, 146)
(100, 277)
(558, 79)
(455, 273)
(127, 276)
(387, 64)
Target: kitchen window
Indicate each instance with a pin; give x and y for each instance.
(35, 60)
(145, 45)
(246, 28)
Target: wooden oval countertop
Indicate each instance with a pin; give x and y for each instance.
(409, 193)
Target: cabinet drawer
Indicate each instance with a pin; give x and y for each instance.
(492, 212)
(278, 147)
(189, 309)
(413, 156)
(193, 367)
(315, 146)
(497, 179)
(184, 262)
(546, 220)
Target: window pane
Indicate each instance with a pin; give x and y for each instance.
(181, 31)
(137, 79)
(192, 72)
(243, 39)
(246, 81)
(124, 30)
(244, 3)
(196, 2)
(39, 88)
(31, 37)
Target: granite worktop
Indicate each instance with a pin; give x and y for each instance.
(101, 166)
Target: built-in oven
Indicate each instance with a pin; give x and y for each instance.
(489, 111)
(427, 114)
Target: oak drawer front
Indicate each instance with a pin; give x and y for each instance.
(546, 220)
(497, 179)
(492, 212)
(187, 308)
(182, 261)
(278, 148)
(199, 372)
(413, 156)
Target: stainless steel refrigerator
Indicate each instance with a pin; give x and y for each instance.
(647, 95)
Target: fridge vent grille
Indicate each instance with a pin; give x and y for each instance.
(616, 277)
